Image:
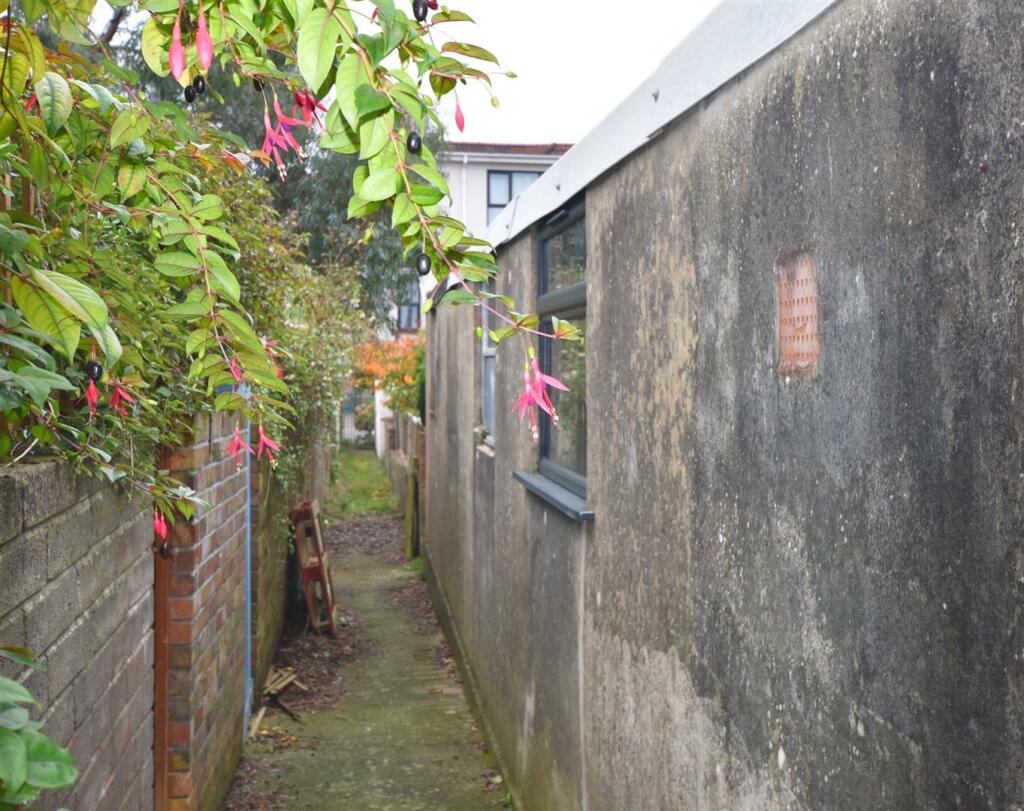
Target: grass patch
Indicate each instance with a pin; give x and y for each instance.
(361, 485)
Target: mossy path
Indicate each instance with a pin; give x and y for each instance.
(401, 737)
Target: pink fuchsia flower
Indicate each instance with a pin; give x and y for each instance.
(176, 55)
(120, 400)
(238, 445)
(160, 525)
(535, 395)
(204, 45)
(271, 141)
(307, 103)
(236, 370)
(460, 119)
(269, 445)
(92, 396)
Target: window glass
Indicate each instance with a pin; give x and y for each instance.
(497, 188)
(565, 256)
(522, 180)
(567, 444)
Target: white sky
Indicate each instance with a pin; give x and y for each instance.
(575, 60)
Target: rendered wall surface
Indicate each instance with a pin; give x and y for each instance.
(796, 592)
(76, 568)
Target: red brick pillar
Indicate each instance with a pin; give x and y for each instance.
(201, 628)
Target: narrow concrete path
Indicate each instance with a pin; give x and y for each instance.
(401, 736)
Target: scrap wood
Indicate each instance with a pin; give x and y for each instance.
(279, 685)
(254, 725)
(288, 710)
(301, 686)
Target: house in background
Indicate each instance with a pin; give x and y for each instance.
(483, 179)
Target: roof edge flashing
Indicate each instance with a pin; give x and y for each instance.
(735, 35)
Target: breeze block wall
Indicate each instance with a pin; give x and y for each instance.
(206, 622)
(76, 568)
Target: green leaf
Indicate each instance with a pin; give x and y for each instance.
(29, 350)
(426, 195)
(13, 760)
(127, 127)
(38, 383)
(176, 263)
(431, 175)
(54, 96)
(44, 314)
(223, 280)
(108, 342)
(387, 10)
(474, 51)
(187, 310)
(380, 185)
(451, 16)
(11, 241)
(403, 210)
(78, 299)
(369, 101)
(209, 207)
(154, 48)
(12, 716)
(374, 134)
(131, 178)
(23, 656)
(49, 765)
(318, 42)
(12, 692)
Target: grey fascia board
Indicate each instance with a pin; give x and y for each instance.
(735, 35)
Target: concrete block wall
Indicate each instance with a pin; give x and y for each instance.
(76, 564)
(206, 622)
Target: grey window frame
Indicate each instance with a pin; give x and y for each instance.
(568, 303)
(508, 177)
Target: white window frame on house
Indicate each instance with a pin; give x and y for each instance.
(494, 203)
(567, 303)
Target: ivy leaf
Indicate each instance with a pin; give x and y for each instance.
(318, 41)
(13, 760)
(44, 314)
(49, 765)
(54, 97)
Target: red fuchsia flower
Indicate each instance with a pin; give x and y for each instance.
(432, 4)
(460, 119)
(236, 370)
(540, 383)
(238, 445)
(160, 525)
(204, 45)
(271, 353)
(176, 55)
(307, 103)
(92, 396)
(271, 141)
(269, 445)
(120, 400)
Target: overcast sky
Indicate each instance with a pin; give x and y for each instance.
(576, 59)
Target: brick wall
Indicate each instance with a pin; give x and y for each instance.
(269, 568)
(77, 570)
(205, 624)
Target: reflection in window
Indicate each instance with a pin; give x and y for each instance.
(565, 256)
(568, 441)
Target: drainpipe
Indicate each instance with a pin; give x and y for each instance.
(248, 587)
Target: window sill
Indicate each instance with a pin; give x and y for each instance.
(565, 501)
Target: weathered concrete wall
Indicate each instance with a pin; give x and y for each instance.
(796, 593)
(76, 569)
